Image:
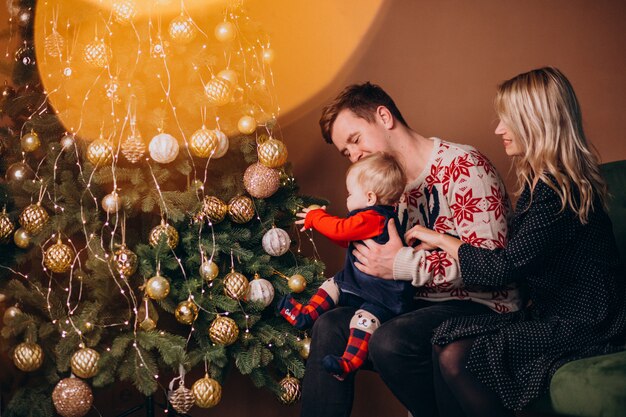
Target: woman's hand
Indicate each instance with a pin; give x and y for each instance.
(302, 215)
(429, 238)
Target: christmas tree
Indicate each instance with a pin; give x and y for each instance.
(148, 206)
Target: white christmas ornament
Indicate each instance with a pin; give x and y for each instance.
(276, 241)
(222, 146)
(163, 148)
(261, 291)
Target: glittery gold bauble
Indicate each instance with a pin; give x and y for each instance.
(276, 241)
(100, 152)
(241, 209)
(133, 148)
(235, 285)
(10, 314)
(246, 125)
(218, 91)
(182, 399)
(111, 203)
(124, 261)
(72, 397)
(28, 356)
(163, 148)
(214, 209)
(207, 392)
(21, 238)
(186, 312)
(209, 270)
(222, 144)
(223, 331)
(97, 54)
(30, 142)
(167, 230)
(85, 362)
(33, 218)
(124, 11)
(304, 347)
(19, 171)
(290, 390)
(59, 257)
(6, 225)
(157, 287)
(182, 29)
(261, 181)
(225, 31)
(203, 143)
(54, 44)
(297, 283)
(272, 153)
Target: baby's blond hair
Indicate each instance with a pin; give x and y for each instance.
(381, 174)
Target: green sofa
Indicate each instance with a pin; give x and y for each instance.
(596, 386)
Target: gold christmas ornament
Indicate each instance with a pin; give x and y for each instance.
(54, 44)
(124, 11)
(72, 397)
(214, 209)
(148, 324)
(2, 298)
(290, 390)
(100, 152)
(163, 148)
(59, 257)
(157, 287)
(296, 283)
(6, 225)
(33, 218)
(84, 362)
(67, 141)
(182, 29)
(97, 54)
(272, 153)
(133, 148)
(28, 356)
(10, 314)
(225, 31)
(30, 142)
(229, 75)
(203, 143)
(209, 270)
(19, 171)
(207, 392)
(260, 291)
(186, 312)
(182, 399)
(304, 346)
(21, 238)
(124, 261)
(167, 230)
(314, 207)
(111, 203)
(235, 285)
(241, 209)
(222, 144)
(246, 125)
(147, 315)
(276, 241)
(261, 181)
(218, 91)
(223, 331)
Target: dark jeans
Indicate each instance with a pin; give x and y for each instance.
(400, 351)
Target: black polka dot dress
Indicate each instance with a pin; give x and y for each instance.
(575, 284)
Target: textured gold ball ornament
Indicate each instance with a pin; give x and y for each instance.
(54, 44)
(28, 356)
(225, 31)
(276, 241)
(203, 143)
(157, 287)
(19, 171)
(163, 148)
(223, 331)
(21, 238)
(290, 390)
(246, 125)
(6, 225)
(304, 347)
(59, 257)
(84, 362)
(235, 285)
(30, 142)
(218, 91)
(124, 11)
(97, 54)
(182, 29)
(186, 312)
(272, 153)
(222, 144)
(124, 261)
(133, 148)
(207, 392)
(296, 283)
(167, 230)
(260, 291)
(229, 75)
(214, 209)
(261, 181)
(182, 399)
(33, 218)
(72, 397)
(241, 209)
(111, 203)
(209, 270)
(10, 314)
(100, 152)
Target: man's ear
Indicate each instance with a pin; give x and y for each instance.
(385, 116)
(371, 198)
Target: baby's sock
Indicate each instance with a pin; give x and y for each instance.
(303, 316)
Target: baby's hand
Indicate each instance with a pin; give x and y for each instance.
(302, 214)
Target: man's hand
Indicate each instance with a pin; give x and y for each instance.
(376, 259)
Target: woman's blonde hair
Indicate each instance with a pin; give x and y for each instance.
(540, 109)
(382, 174)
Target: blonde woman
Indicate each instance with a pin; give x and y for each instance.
(561, 246)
